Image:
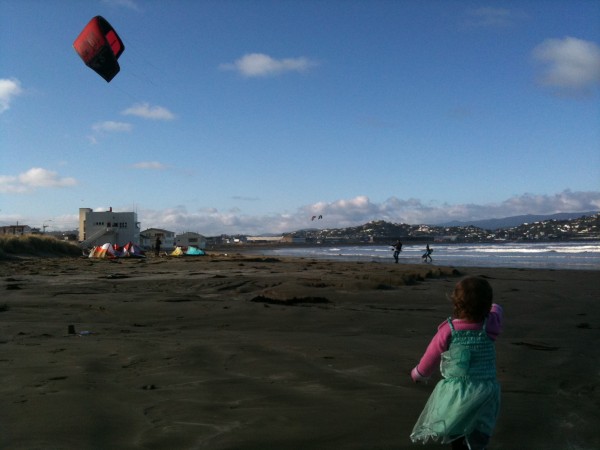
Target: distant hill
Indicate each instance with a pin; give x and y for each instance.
(515, 221)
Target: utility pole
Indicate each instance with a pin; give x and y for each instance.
(44, 226)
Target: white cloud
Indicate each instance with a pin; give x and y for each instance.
(570, 65)
(146, 111)
(261, 65)
(414, 211)
(9, 89)
(33, 179)
(149, 165)
(110, 126)
(244, 198)
(360, 210)
(336, 214)
(130, 4)
(488, 17)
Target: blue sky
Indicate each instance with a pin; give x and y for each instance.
(253, 116)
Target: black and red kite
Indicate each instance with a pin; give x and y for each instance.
(99, 46)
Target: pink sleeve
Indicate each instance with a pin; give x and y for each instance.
(493, 326)
(439, 344)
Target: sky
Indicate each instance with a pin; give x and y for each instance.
(253, 116)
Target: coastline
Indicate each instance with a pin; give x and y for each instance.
(250, 352)
(540, 255)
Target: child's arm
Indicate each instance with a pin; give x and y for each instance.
(417, 376)
(494, 321)
(431, 359)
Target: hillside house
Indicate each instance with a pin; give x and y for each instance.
(16, 230)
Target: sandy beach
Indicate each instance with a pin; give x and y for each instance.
(247, 352)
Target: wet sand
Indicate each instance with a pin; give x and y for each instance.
(243, 352)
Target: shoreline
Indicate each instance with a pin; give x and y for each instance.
(282, 245)
(504, 255)
(250, 352)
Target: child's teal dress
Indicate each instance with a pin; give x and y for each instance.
(468, 398)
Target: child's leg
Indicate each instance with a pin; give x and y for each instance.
(460, 444)
(478, 440)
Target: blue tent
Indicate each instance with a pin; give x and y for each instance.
(194, 251)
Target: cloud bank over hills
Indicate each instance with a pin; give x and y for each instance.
(359, 210)
(336, 214)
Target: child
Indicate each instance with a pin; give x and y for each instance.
(464, 405)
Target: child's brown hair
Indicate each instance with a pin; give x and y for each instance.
(472, 299)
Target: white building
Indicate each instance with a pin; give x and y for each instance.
(148, 238)
(190, 239)
(97, 228)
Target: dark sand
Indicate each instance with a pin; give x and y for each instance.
(237, 352)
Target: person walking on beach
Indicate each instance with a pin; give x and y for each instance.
(397, 249)
(157, 246)
(427, 254)
(463, 407)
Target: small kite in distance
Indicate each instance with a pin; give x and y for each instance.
(315, 217)
(99, 46)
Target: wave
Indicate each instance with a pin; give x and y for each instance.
(561, 255)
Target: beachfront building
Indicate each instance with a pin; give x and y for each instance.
(264, 239)
(148, 238)
(101, 227)
(15, 230)
(189, 238)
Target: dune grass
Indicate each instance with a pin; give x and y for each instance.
(36, 245)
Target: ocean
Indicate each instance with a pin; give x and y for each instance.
(580, 255)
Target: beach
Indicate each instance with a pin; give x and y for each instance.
(244, 351)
